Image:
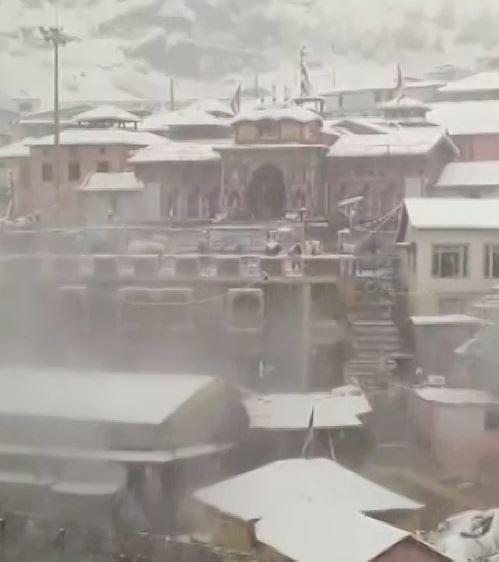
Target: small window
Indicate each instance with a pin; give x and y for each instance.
(103, 167)
(491, 261)
(492, 420)
(74, 172)
(47, 172)
(450, 261)
(102, 150)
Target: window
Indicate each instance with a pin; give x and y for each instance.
(269, 130)
(450, 261)
(492, 420)
(102, 150)
(491, 261)
(103, 167)
(47, 172)
(74, 172)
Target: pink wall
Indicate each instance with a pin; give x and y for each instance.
(478, 147)
(88, 157)
(456, 435)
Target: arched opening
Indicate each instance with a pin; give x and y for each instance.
(266, 193)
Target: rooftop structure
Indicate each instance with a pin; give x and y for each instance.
(397, 142)
(452, 214)
(316, 532)
(474, 175)
(100, 137)
(175, 152)
(255, 494)
(98, 397)
(404, 109)
(340, 408)
(482, 85)
(20, 149)
(455, 396)
(106, 116)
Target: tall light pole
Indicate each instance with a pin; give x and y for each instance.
(57, 38)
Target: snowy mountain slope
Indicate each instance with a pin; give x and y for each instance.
(129, 48)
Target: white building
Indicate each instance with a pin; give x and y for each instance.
(450, 248)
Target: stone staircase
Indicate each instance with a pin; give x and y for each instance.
(375, 338)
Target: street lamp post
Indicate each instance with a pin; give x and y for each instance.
(57, 38)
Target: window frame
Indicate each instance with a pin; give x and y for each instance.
(437, 265)
(488, 261)
(71, 167)
(47, 172)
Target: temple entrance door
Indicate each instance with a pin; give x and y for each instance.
(266, 193)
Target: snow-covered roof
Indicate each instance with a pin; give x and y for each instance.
(176, 9)
(100, 137)
(404, 102)
(479, 82)
(320, 532)
(338, 409)
(455, 396)
(118, 397)
(467, 117)
(106, 113)
(213, 107)
(255, 494)
(465, 537)
(445, 319)
(7, 103)
(189, 117)
(453, 213)
(128, 456)
(18, 149)
(275, 112)
(470, 174)
(405, 141)
(175, 152)
(116, 181)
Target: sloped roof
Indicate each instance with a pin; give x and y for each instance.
(117, 181)
(147, 399)
(292, 411)
(255, 494)
(277, 112)
(479, 82)
(319, 532)
(18, 149)
(106, 113)
(175, 152)
(404, 141)
(455, 396)
(467, 117)
(101, 137)
(453, 213)
(212, 106)
(191, 116)
(470, 174)
(405, 102)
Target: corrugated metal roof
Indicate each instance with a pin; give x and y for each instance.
(101, 137)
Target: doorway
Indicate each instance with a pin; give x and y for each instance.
(266, 193)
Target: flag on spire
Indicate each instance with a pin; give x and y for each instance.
(400, 87)
(305, 87)
(235, 102)
(305, 452)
